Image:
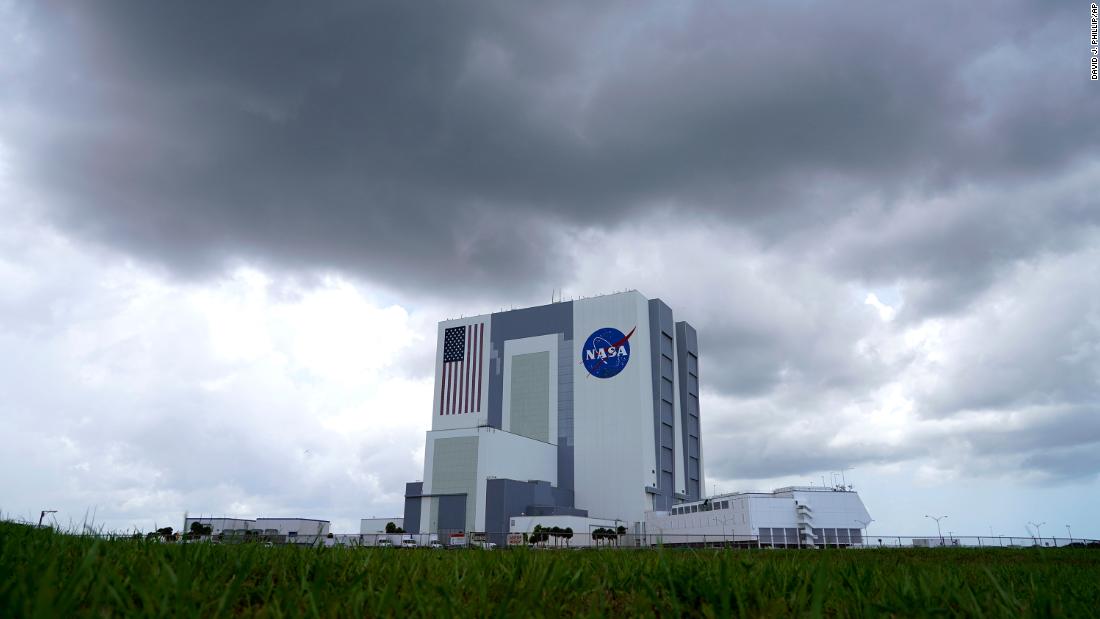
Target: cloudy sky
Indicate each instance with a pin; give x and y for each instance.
(228, 231)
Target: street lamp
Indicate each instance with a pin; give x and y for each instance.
(1069, 533)
(938, 530)
(1038, 532)
(865, 525)
(43, 515)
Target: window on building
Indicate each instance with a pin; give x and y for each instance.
(292, 534)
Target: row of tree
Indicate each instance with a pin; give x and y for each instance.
(542, 534)
(608, 535)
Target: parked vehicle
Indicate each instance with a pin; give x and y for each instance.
(436, 545)
(408, 543)
(384, 543)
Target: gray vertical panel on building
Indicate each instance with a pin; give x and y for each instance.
(452, 514)
(413, 490)
(516, 324)
(504, 498)
(687, 358)
(661, 330)
(454, 471)
(530, 395)
(565, 415)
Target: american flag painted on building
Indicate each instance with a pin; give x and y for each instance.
(460, 380)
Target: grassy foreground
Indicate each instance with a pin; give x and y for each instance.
(52, 575)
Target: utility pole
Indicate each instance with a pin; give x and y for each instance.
(865, 525)
(1069, 533)
(938, 530)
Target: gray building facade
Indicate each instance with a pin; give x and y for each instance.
(509, 447)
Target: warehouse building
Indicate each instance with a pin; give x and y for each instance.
(284, 530)
(585, 408)
(787, 517)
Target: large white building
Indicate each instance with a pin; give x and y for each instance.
(578, 408)
(792, 516)
(585, 414)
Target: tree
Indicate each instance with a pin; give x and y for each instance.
(392, 528)
(556, 532)
(539, 535)
(567, 534)
(621, 531)
(602, 534)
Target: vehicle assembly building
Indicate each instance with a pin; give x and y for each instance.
(577, 408)
(580, 413)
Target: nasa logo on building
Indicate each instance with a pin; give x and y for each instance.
(606, 352)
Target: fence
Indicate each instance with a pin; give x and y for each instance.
(620, 542)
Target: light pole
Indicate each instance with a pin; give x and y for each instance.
(1038, 531)
(865, 525)
(1069, 533)
(43, 515)
(938, 530)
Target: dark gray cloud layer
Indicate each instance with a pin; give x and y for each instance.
(422, 144)
(760, 166)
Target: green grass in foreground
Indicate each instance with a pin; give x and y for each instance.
(53, 575)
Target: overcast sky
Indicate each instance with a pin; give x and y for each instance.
(228, 231)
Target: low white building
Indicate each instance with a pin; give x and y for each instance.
(378, 525)
(220, 525)
(295, 530)
(582, 526)
(791, 516)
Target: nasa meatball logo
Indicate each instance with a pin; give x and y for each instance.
(606, 352)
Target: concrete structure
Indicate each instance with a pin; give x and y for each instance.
(292, 528)
(220, 525)
(282, 530)
(378, 525)
(792, 516)
(578, 408)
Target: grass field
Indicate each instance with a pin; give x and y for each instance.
(46, 574)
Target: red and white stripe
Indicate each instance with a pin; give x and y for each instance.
(460, 383)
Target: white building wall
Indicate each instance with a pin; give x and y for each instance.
(500, 454)
(465, 420)
(217, 525)
(582, 527)
(300, 526)
(511, 456)
(748, 513)
(378, 525)
(613, 417)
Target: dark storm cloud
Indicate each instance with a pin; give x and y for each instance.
(433, 144)
(766, 164)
